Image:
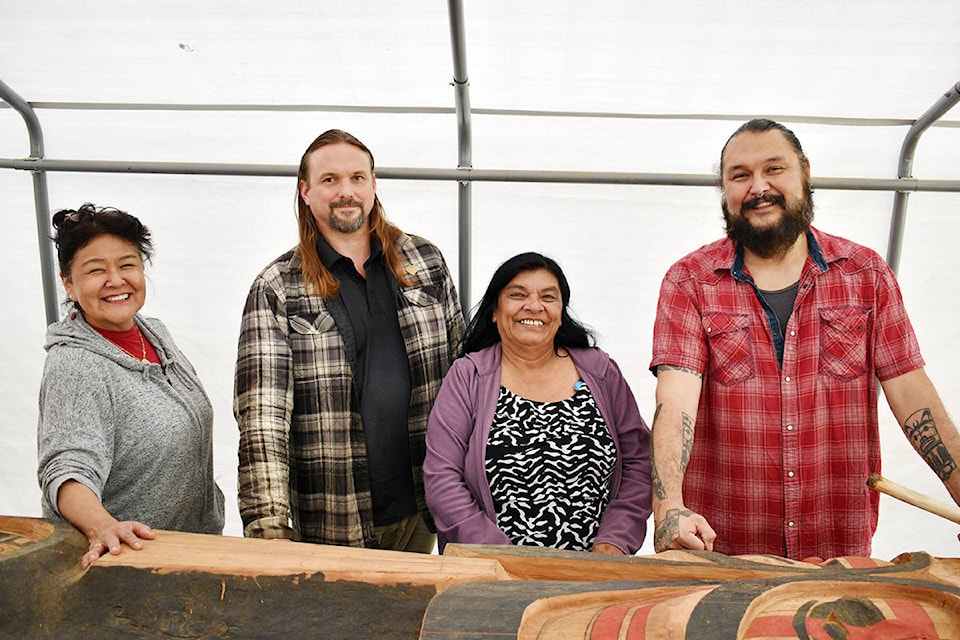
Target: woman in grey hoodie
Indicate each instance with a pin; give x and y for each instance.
(125, 435)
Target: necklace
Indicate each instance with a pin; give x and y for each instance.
(143, 347)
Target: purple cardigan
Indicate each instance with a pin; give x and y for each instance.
(455, 480)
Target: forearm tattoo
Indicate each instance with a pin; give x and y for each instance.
(662, 367)
(658, 489)
(686, 444)
(922, 431)
(668, 529)
(688, 425)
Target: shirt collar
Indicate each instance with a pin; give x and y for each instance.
(813, 248)
(816, 253)
(330, 256)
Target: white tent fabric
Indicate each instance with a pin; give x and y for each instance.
(555, 85)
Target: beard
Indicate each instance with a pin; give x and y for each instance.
(775, 241)
(347, 226)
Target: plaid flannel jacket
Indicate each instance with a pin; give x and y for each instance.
(303, 471)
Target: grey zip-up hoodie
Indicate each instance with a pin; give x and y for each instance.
(139, 435)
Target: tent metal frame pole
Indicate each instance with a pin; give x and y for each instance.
(186, 107)
(464, 174)
(461, 84)
(905, 170)
(461, 175)
(41, 199)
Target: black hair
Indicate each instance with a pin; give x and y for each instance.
(75, 229)
(762, 125)
(482, 330)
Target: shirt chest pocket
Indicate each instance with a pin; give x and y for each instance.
(844, 340)
(423, 296)
(424, 317)
(731, 352)
(307, 326)
(318, 350)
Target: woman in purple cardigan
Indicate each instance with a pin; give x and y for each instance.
(535, 437)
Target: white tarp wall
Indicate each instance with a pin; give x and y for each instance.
(883, 60)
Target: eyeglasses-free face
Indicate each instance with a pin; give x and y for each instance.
(528, 311)
(106, 280)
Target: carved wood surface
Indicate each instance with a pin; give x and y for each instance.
(199, 586)
(698, 595)
(196, 586)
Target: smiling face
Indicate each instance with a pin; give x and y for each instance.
(528, 310)
(767, 202)
(339, 188)
(106, 280)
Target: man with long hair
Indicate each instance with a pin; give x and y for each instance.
(767, 347)
(344, 343)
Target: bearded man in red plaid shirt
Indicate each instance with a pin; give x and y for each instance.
(767, 347)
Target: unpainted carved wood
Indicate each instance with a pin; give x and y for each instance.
(200, 586)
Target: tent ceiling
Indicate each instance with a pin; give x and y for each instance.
(884, 58)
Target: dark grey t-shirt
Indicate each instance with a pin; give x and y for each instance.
(781, 302)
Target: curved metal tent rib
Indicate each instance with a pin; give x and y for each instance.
(905, 170)
(464, 174)
(41, 200)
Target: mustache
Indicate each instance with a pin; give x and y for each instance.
(773, 198)
(346, 203)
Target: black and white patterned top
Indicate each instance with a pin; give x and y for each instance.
(549, 466)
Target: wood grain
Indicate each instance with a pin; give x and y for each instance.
(943, 509)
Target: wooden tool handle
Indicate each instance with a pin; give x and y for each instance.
(943, 509)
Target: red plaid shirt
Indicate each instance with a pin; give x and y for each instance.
(781, 457)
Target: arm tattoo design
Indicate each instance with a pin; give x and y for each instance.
(661, 367)
(687, 427)
(669, 529)
(658, 489)
(688, 423)
(922, 431)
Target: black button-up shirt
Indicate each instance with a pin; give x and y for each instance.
(382, 377)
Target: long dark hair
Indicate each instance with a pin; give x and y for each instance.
(482, 330)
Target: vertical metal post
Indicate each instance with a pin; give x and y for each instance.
(461, 86)
(905, 170)
(41, 201)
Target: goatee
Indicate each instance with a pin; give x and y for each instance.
(347, 226)
(773, 241)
